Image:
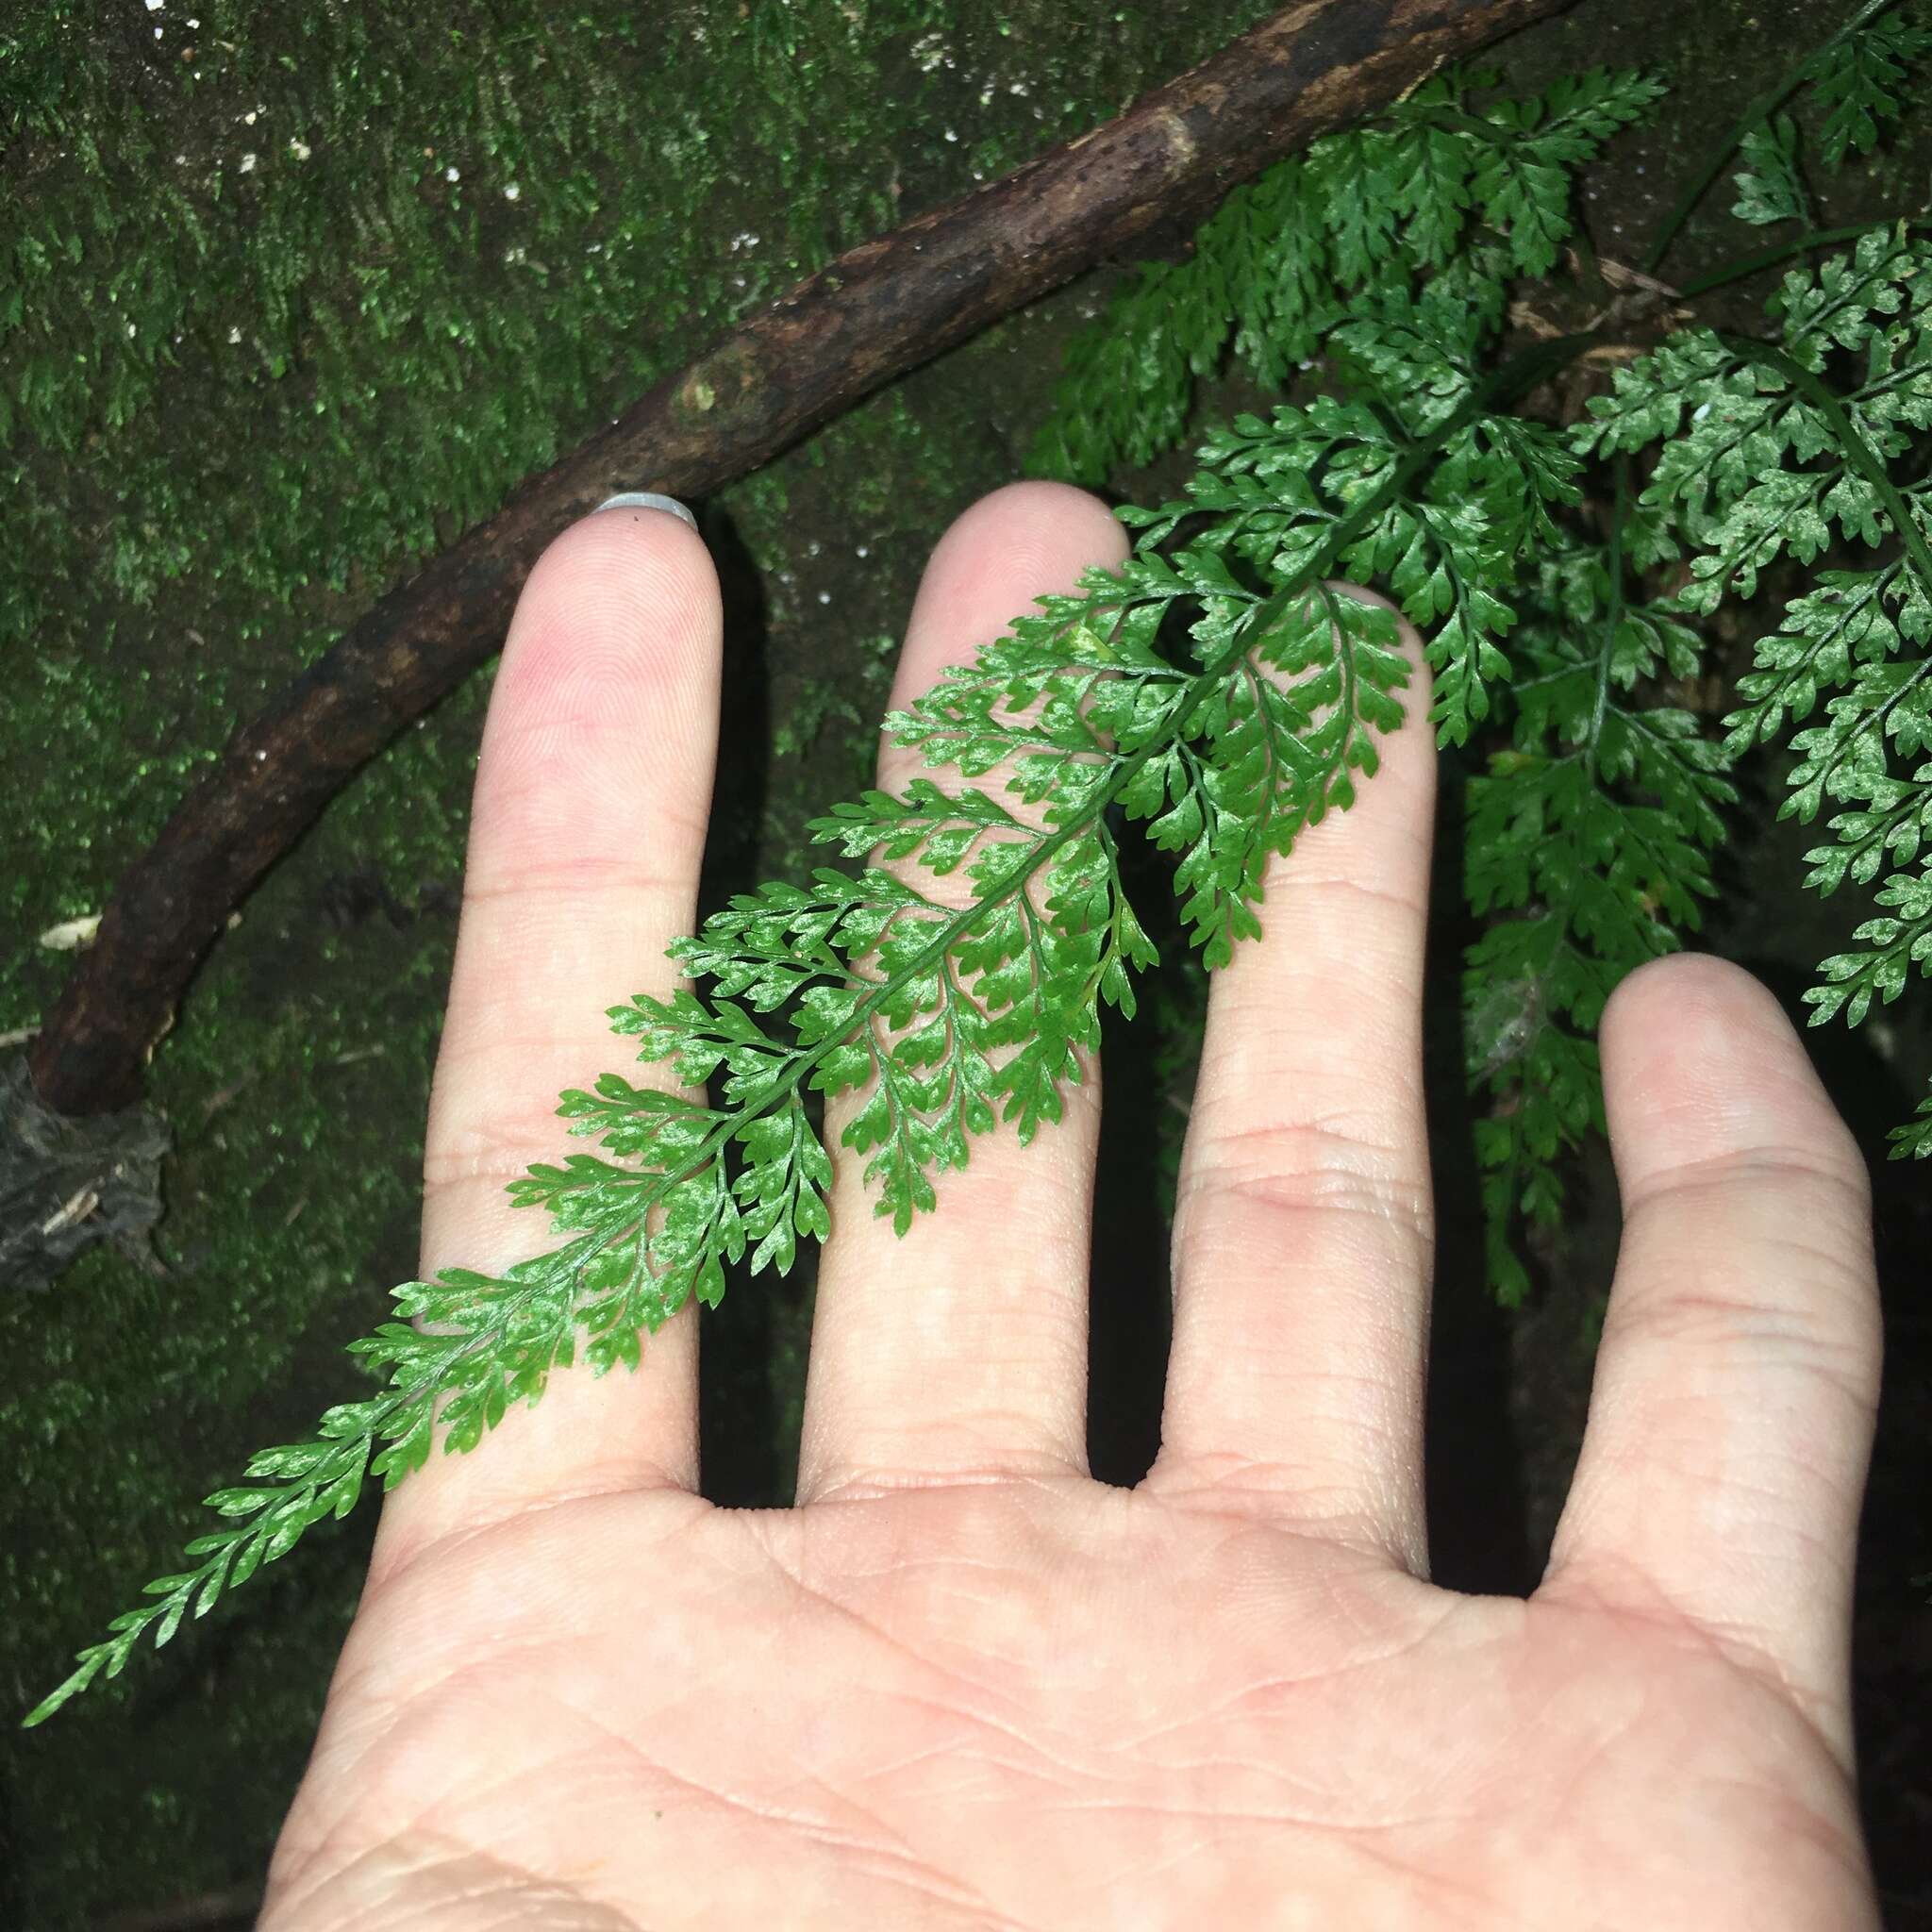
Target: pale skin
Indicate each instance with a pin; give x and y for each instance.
(961, 1684)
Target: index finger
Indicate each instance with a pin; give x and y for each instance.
(587, 830)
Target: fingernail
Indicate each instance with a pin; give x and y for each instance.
(644, 499)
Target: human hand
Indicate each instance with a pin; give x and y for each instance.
(963, 1685)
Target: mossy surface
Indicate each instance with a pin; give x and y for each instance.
(239, 398)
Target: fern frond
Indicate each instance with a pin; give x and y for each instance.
(1521, 175)
(944, 1019)
(1897, 943)
(1587, 844)
(1858, 83)
(1776, 452)
(1442, 190)
(1770, 187)
(1913, 1141)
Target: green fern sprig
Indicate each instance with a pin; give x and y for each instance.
(1444, 188)
(1858, 83)
(1770, 185)
(945, 1019)
(1586, 847)
(1765, 458)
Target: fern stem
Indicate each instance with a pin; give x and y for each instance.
(1613, 616)
(1745, 265)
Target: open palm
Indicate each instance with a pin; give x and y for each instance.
(964, 1685)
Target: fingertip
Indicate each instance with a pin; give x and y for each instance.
(1700, 1063)
(995, 559)
(1037, 510)
(611, 664)
(624, 555)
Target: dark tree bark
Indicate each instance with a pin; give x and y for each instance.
(879, 311)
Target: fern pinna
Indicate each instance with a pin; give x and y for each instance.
(1219, 694)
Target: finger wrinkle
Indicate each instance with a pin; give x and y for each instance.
(1292, 1500)
(619, 1475)
(1765, 1330)
(1777, 1167)
(1332, 1142)
(872, 1479)
(1300, 1169)
(1285, 881)
(496, 1155)
(546, 875)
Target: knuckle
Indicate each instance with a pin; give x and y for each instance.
(1308, 1171)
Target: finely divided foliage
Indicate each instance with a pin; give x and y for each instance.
(1764, 459)
(1464, 196)
(946, 1019)
(1218, 692)
(1589, 828)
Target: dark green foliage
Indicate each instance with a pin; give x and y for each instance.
(1770, 185)
(1772, 454)
(1401, 289)
(1466, 196)
(1590, 831)
(1859, 84)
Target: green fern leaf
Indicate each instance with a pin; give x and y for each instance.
(1858, 85)
(1913, 1141)
(1769, 187)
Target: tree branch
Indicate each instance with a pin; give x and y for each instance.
(879, 311)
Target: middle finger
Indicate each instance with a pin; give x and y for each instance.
(961, 1349)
